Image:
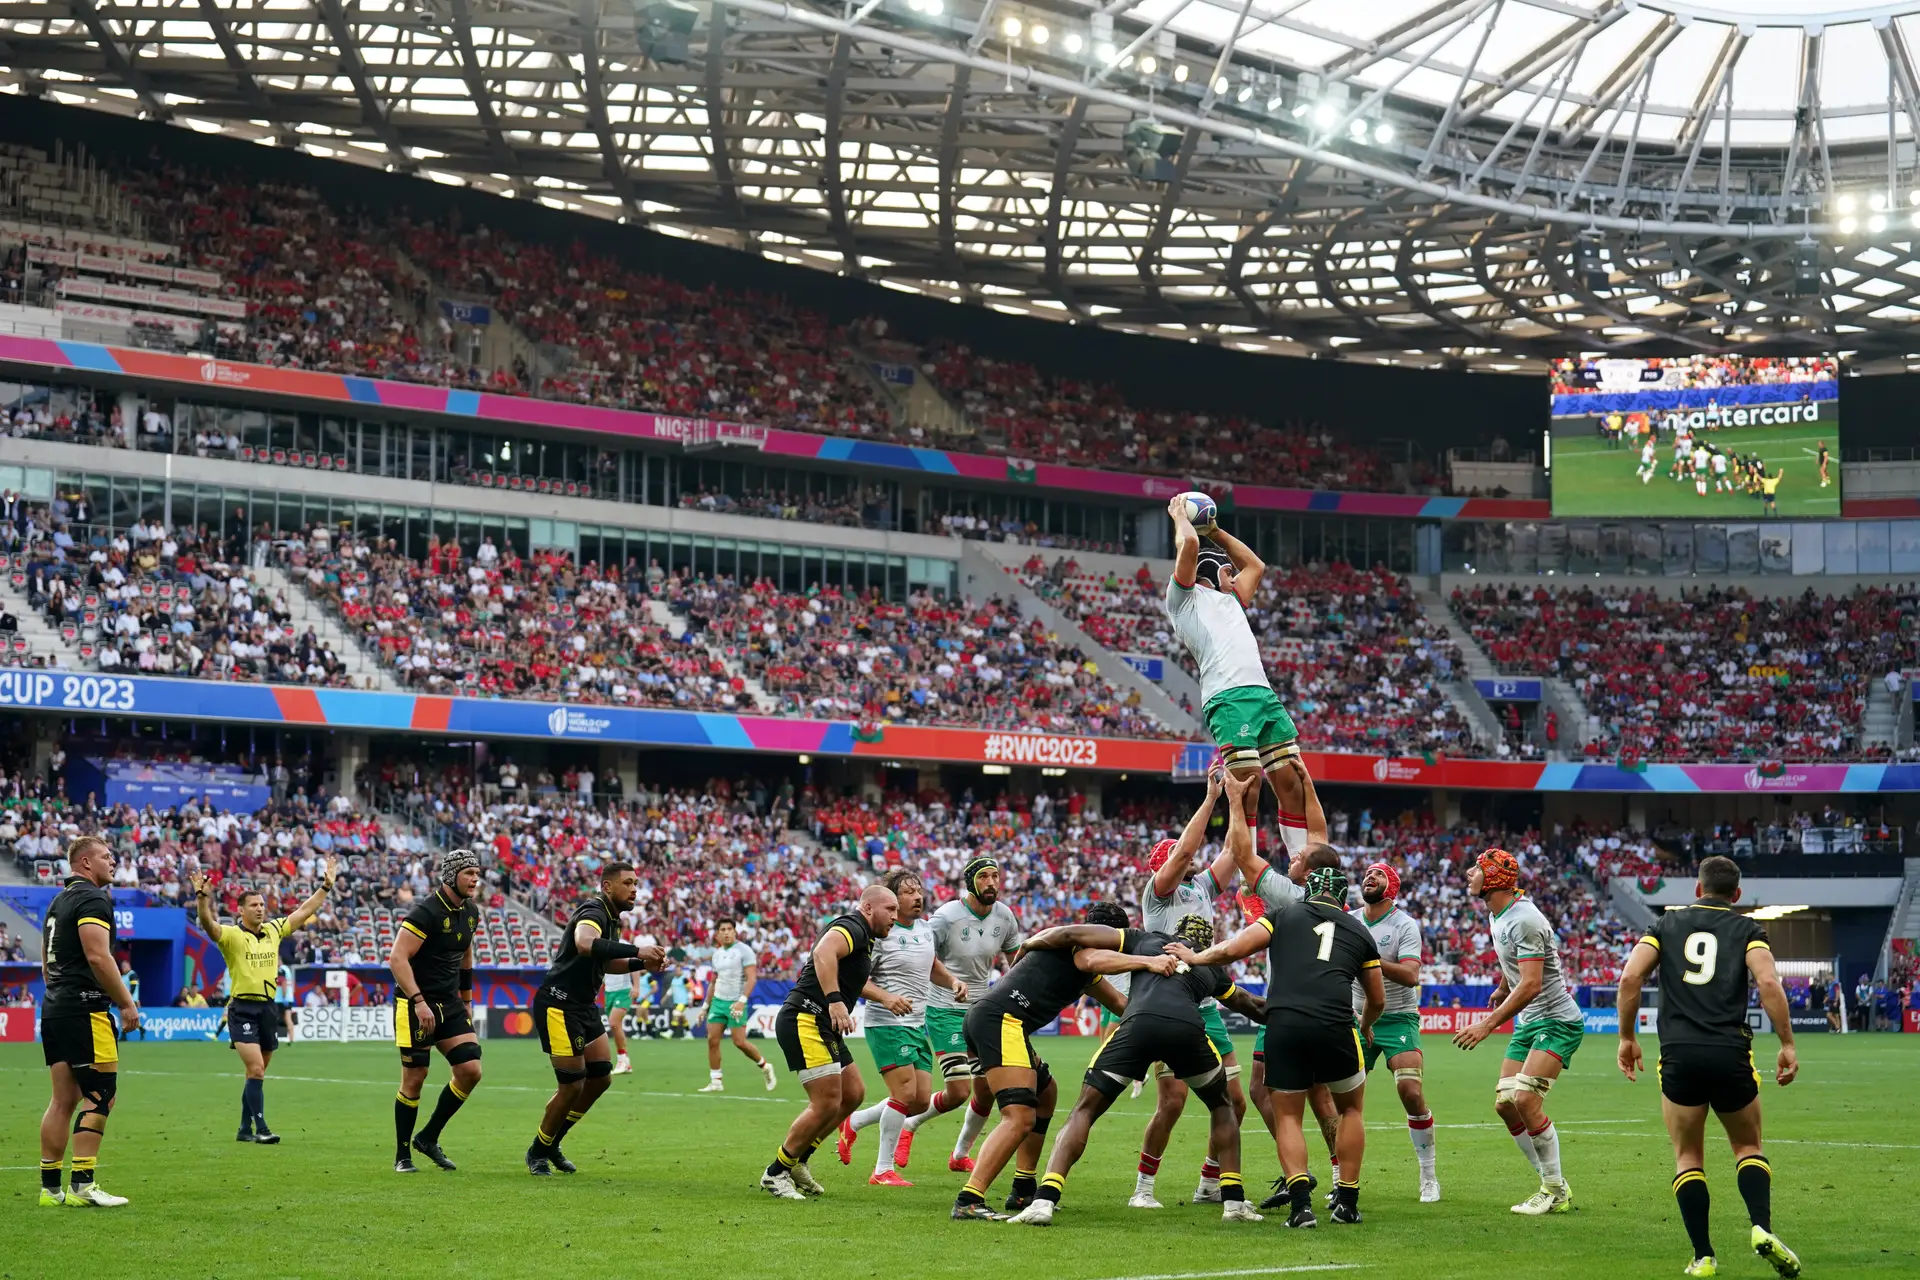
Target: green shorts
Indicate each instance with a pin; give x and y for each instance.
(1260, 1041)
(1108, 1018)
(1549, 1035)
(1394, 1034)
(728, 1013)
(947, 1030)
(1216, 1029)
(1248, 719)
(900, 1047)
(619, 997)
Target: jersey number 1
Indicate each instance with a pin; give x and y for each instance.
(1702, 951)
(1325, 930)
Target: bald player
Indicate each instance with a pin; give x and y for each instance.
(811, 1028)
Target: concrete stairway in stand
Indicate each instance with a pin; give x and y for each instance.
(308, 613)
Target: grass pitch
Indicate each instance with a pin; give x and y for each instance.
(1589, 479)
(667, 1181)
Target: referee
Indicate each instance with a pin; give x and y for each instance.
(1705, 954)
(252, 952)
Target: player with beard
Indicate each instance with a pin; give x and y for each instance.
(970, 934)
(1055, 967)
(1396, 1036)
(432, 965)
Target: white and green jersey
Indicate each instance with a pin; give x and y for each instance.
(968, 944)
(730, 965)
(1274, 889)
(1521, 932)
(1214, 627)
(1397, 935)
(903, 964)
(1193, 896)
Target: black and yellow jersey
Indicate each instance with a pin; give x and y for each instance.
(1703, 972)
(572, 978)
(71, 986)
(1177, 996)
(1042, 984)
(445, 932)
(253, 959)
(855, 967)
(1315, 954)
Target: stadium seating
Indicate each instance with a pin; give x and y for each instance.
(1706, 674)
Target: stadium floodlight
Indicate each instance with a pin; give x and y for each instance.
(1916, 220)
(1877, 223)
(1221, 85)
(1383, 132)
(1877, 202)
(1180, 72)
(1324, 115)
(1011, 28)
(1300, 108)
(1276, 102)
(1149, 65)
(1845, 205)
(1073, 42)
(1039, 35)
(1104, 51)
(1246, 92)
(1848, 225)
(1358, 128)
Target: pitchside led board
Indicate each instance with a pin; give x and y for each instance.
(1701, 437)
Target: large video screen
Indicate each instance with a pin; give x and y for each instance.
(1696, 437)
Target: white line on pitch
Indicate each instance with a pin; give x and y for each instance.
(1249, 1271)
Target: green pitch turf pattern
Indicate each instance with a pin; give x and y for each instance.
(667, 1186)
(1589, 479)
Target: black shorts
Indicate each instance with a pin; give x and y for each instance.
(255, 1022)
(80, 1037)
(1300, 1055)
(814, 1049)
(566, 1030)
(997, 1038)
(1720, 1076)
(1144, 1039)
(450, 1019)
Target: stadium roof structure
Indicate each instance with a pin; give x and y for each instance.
(1477, 182)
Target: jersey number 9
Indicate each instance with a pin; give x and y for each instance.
(1702, 951)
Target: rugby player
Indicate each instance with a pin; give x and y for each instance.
(78, 1039)
(812, 1027)
(1316, 952)
(251, 949)
(1396, 1035)
(1705, 955)
(1822, 455)
(567, 1020)
(904, 966)
(1547, 1025)
(617, 998)
(730, 1003)
(1206, 603)
(1052, 972)
(1648, 454)
(969, 935)
(432, 965)
(1163, 1024)
(1167, 898)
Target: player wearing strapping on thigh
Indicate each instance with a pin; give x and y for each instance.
(970, 935)
(1206, 604)
(1167, 897)
(1055, 967)
(77, 1033)
(1316, 952)
(432, 965)
(906, 971)
(1706, 954)
(1162, 1024)
(1396, 1036)
(730, 1003)
(566, 1018)
(812, 1028)
(251, 949)
(1547, 1025)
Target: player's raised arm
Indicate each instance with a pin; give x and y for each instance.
(203, 907)
(1773, 998)
(1248, 568)
(311, 907)
(1633, 975)
(1167, 877)
(1243, 806)
(1186, 545)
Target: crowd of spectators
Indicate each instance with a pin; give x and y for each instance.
(1708, 674)
(1707, 370)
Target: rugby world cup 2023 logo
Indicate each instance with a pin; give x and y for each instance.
(557, 721)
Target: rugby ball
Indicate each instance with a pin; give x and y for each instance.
(1200, 509)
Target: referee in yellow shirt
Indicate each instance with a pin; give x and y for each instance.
(252, 951)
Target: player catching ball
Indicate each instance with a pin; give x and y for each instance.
(1206, 603)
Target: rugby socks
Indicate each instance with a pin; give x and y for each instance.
(1755, 1177)
(1293, 832)
(1232, 1188)
(1546, 1145)
(938, 1107)
(1527, 1149)
(868, 1115)
(1210, 1170)
(83, 1171)
(450, 1101)
(561, 1130)
(1348, 1194)
(405, 1111)
(1052, 1187)
(970, 1194)
(1420, 1129)
(970, 1126)
(49, 1175)
(246, 1106)
(253, 1106)
(1300, 1190)
(1690, 1192)
(713, 1074)
(543, 1142)
(783, 1162)
(893, 1119)
(1025, 1182)
(1143, 1180)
